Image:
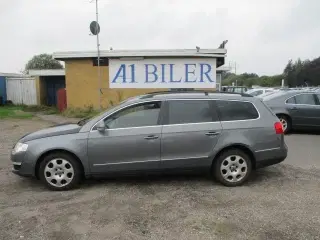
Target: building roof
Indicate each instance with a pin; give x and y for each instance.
(47, 72)
(209, 53)
(11, 74)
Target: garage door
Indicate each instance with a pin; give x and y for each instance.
(21, 90)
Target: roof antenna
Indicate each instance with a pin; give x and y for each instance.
(198, 48)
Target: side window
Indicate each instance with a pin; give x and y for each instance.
(230, 89)
(236, 110)
(291, 100)
(305, 99)
(318, 96)
(257, 93)
(141, 115)
(190, 111)
(238, 90)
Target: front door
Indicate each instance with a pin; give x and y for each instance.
(131, 141)
(191, 130)
(303, 110)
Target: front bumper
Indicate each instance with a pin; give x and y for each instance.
(21, 166)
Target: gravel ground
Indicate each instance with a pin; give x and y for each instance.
(279, 202)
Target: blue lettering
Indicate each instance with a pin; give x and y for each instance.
(171, 74)
(122, 71)
(132, 66)
(205, 73)
(188, 72)
(154, 72)
(163, 80)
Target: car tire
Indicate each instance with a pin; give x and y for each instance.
(60, 171)
(228, 164)
(286, 123)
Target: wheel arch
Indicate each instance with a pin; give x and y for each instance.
(43, 155)
(284, 114)
(239, 146)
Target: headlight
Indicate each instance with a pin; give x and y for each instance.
(20, 147)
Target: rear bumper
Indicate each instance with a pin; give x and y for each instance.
(271, 156)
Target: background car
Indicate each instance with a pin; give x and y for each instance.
(259, 91)
(234, 89)
(296, 109)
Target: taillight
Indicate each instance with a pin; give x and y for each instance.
(278, 128)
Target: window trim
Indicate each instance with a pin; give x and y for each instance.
(163, 112)
(128, 106)
(313, 95)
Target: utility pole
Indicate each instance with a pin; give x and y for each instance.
(98, 50)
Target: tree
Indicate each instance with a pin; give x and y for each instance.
(43, 61)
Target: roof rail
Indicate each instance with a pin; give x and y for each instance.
(206, 92)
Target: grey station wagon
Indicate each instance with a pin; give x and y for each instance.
(227, 134)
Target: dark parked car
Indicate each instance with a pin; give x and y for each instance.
(228, 135)
(296, 109)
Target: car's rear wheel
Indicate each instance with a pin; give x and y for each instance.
(60, 171)
(286, 123)
(232, 168)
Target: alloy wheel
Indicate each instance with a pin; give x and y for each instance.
(234, 168)
(284, 124)
(59, 172)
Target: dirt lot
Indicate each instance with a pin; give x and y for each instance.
(279, 202)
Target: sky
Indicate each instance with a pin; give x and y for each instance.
(262, 34)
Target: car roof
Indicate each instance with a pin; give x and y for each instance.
(289, 93)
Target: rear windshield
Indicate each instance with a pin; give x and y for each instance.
(272, 96)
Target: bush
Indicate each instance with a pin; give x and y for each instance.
(40, 108)
(80, 112)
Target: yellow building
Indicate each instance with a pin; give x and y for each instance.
(85, 88)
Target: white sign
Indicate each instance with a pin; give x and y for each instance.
(163, 73)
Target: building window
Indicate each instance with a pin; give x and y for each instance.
(103, 61)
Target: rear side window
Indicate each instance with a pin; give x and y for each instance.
(236, 110)
(307, 99)
(190, 111)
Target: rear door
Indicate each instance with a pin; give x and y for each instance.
(190, 132)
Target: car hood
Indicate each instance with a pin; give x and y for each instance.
(61, 129)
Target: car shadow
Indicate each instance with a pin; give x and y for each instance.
(191, 179)
(304, 132)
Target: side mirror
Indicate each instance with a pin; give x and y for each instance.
(101, 127)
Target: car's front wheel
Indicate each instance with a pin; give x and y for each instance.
(60, 171)
(232, 168)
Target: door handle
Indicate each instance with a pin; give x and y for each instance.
(294, 108)
(212, 133)
(151, 137)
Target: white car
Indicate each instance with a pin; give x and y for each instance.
(259, 91)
